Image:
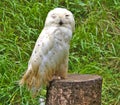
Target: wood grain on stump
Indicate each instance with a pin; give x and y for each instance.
(75, 90)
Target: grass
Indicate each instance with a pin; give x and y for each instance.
(95, 46)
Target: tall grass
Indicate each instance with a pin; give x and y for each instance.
(95, 46)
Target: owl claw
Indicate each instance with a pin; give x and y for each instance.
(56, 78)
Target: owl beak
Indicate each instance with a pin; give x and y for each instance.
(60, 23)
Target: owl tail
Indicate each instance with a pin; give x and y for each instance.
(31, 79)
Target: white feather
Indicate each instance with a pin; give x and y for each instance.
(51, 51)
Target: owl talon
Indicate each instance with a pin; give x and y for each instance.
(56, 78)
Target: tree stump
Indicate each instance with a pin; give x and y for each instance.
(75, 90)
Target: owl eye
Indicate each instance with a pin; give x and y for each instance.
(66, 15)
(53, 16)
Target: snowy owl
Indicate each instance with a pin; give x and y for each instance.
(50, 55)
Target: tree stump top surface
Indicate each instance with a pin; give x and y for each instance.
(80, 78)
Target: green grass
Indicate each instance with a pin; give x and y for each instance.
(95, 47)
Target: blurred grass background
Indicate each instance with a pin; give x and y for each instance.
(95, 46)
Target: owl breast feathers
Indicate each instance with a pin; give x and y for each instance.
(50, 54)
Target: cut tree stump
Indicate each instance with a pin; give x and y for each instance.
(75, 90)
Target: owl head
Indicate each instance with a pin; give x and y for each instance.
(60, 17)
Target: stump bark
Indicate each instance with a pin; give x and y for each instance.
(75, 90)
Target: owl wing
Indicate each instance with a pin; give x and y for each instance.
(40, 65)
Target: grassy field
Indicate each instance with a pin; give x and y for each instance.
(95, 46)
